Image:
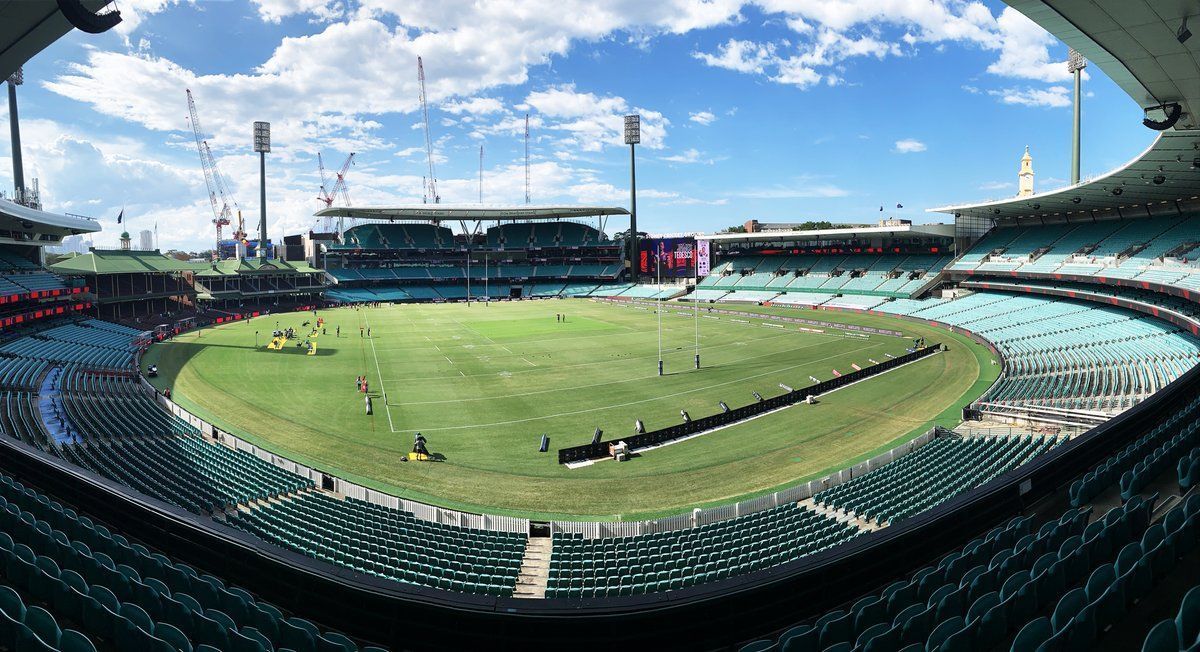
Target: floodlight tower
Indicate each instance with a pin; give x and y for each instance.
(633, 136)
(15, 80)
(262, 145)
(1075, 65)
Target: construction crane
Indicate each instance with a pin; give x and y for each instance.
(329, 194)
(432, 192)
(218, 189)
(526, 158)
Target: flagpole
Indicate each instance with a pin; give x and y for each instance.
(659, 267)
(696, 300)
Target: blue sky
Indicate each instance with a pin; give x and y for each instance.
(774, 109)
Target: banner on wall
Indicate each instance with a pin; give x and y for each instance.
(702, 261)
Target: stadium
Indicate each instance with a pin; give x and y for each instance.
(979, 432)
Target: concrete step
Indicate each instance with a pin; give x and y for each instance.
(535, 569)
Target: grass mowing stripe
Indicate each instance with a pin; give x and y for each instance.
(299, 406)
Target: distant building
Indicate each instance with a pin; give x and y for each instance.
(1025, 176)
(147, 240)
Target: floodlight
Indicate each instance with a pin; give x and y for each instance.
(1159, 179)
(686, 418)
(1076, 200)
(724, 408)
(1183, 33)
(1117, 191)
(758, 397)
(633, 129)
(639, 427)
(262, 137)
(17, 78)
(785, 388)
(1075, 61)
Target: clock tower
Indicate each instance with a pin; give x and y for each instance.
(1025, 176)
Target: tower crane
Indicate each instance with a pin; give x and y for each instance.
(329, 194)
(219, 195)
(428, 136)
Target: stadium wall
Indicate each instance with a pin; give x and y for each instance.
(731, 611)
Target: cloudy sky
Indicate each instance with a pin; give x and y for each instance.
(772, 109)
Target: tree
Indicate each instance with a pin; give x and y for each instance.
(739, 228)
(813, 226)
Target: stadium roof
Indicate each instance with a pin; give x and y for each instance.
(937, 230)
(26, 28)
(116, 261)
(1133, 42)
(31, 219)
(470, 212)
(255, 266)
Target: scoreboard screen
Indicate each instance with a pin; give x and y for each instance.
(677, 257)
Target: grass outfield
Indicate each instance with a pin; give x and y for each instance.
(484, 383)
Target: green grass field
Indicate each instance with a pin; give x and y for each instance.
(484, 383)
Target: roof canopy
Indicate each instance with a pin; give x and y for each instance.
(442, 212)
(42, 221)
(115, 261)
(255, 266)
(905, 230)
(1133, 42)
(26, 28)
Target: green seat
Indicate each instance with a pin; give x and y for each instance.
(1187, 623)
(803, 638)
(73, 641)
(943, 631)
(1162, 638)
(173, 637)
(40, 625)
(1032, 635)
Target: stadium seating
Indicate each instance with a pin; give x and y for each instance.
(782, 278)
(71, 584)
(1054, 587)
(1064, 353)
(581, 567)
(389, 543)
(934, 473)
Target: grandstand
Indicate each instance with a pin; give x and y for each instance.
(1069, 519)
(539, 252)
(846, 267)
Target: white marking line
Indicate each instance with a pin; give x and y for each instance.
(650, 356)
(576, 465)
(579, 387)
(529, 363)
(382, 387)
(645, 400)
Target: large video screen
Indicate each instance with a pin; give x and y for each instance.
(678, 257)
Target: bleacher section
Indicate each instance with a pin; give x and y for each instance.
(672, 560)
(934, 473)
(390, 543)
(421, 262)
(1066, 354)
(71, 584)
(811, 279)
(1159, 250)
(1058, 586)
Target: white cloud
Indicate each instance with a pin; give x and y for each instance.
(688, 156)
(590, 122)
(740, 56)
(909, 146)
(1025, 50)
(702, 117)
(802, 187)
(1052, 97)
(474, 106)
(997, 185)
